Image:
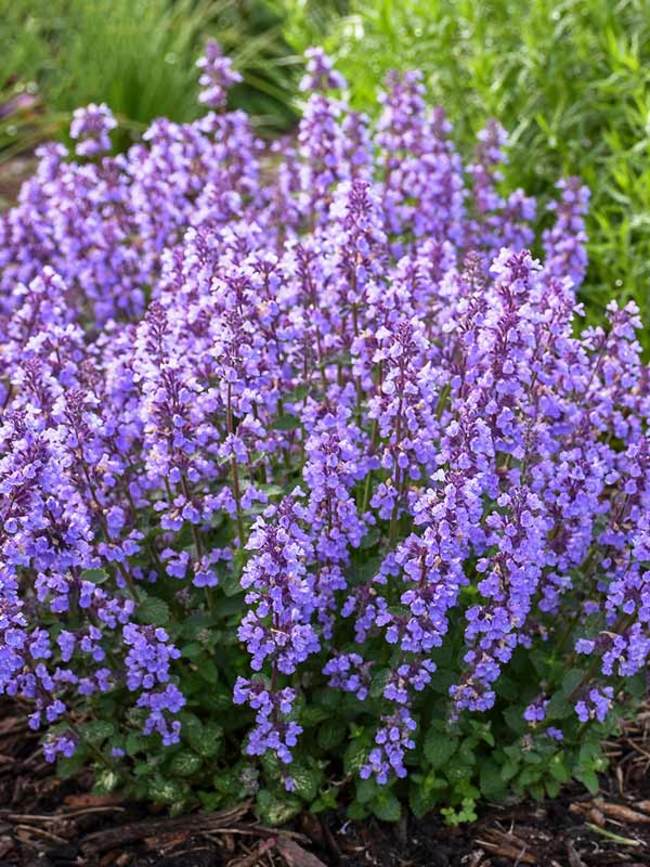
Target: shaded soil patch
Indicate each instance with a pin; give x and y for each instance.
(45, 822)
(13, 173)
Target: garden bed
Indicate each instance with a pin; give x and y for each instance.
(47, 821)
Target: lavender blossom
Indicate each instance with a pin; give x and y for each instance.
(217, 76)
(91, 127)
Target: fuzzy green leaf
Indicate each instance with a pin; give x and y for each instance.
(306, 781)
(96, 576)
(439, 748)
(153, 611)
(330, 734)
(184, 764)
(386, 806)
(275, 810)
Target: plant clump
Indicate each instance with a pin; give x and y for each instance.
(312, 486)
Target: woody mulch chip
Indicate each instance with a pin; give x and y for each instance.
(45, 822)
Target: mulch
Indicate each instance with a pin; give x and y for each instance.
(46, 822)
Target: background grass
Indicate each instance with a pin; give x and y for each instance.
(570, 80)
(138, 56)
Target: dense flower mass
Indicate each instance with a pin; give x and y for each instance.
(229, 370)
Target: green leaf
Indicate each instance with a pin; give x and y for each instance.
(457, 772)
(421, 802)
(106, 782)
(297, 393)
(508, 688)
(370, 539)
(441, 681)
(271, 490)
(162, 791)
(286, 422)
(68, 767)
(571, 680)
(357, 812)
(228, 783)
(482, 732)
(491, 782)
(425, 792)
(206, 740)
(362, 572)
(192, 650)
(135, 743)
(153, 611)
(311, 715)
(366, 790)
(275, 810)
(467, 752)
(537, 790)
(194, 624)
(144, 769)
(509, 770)
(637, 686)
(306, 781)
(207, 670)
(558, 770)
(531, 757)
(378, 682)
(96, 576)
(272, 766)
(210, 801)
(589, 753)
(327, 800)
(558, 707)
(386, 806)
(327, 698)
(230, 583)
(331, 733)
(515, 719)
(439, 747)
(234, 604)
(467, 813)
(552, 788)
(356, 754)
(184, 764)
(97, 731)
(529, 775)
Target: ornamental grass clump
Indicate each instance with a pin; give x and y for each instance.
(312, 486)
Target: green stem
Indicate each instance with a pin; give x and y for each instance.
(235, 473)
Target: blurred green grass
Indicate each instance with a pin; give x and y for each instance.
(138, 56)
(569, 79)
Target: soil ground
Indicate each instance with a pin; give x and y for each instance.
(45, 822)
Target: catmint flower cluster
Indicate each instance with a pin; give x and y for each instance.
(324, 377)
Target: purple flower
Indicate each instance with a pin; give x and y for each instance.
(595, 705)
(91, 127)
(217, 75)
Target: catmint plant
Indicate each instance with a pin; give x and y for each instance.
(309, 470)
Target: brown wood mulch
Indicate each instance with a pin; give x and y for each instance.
(45, 822)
